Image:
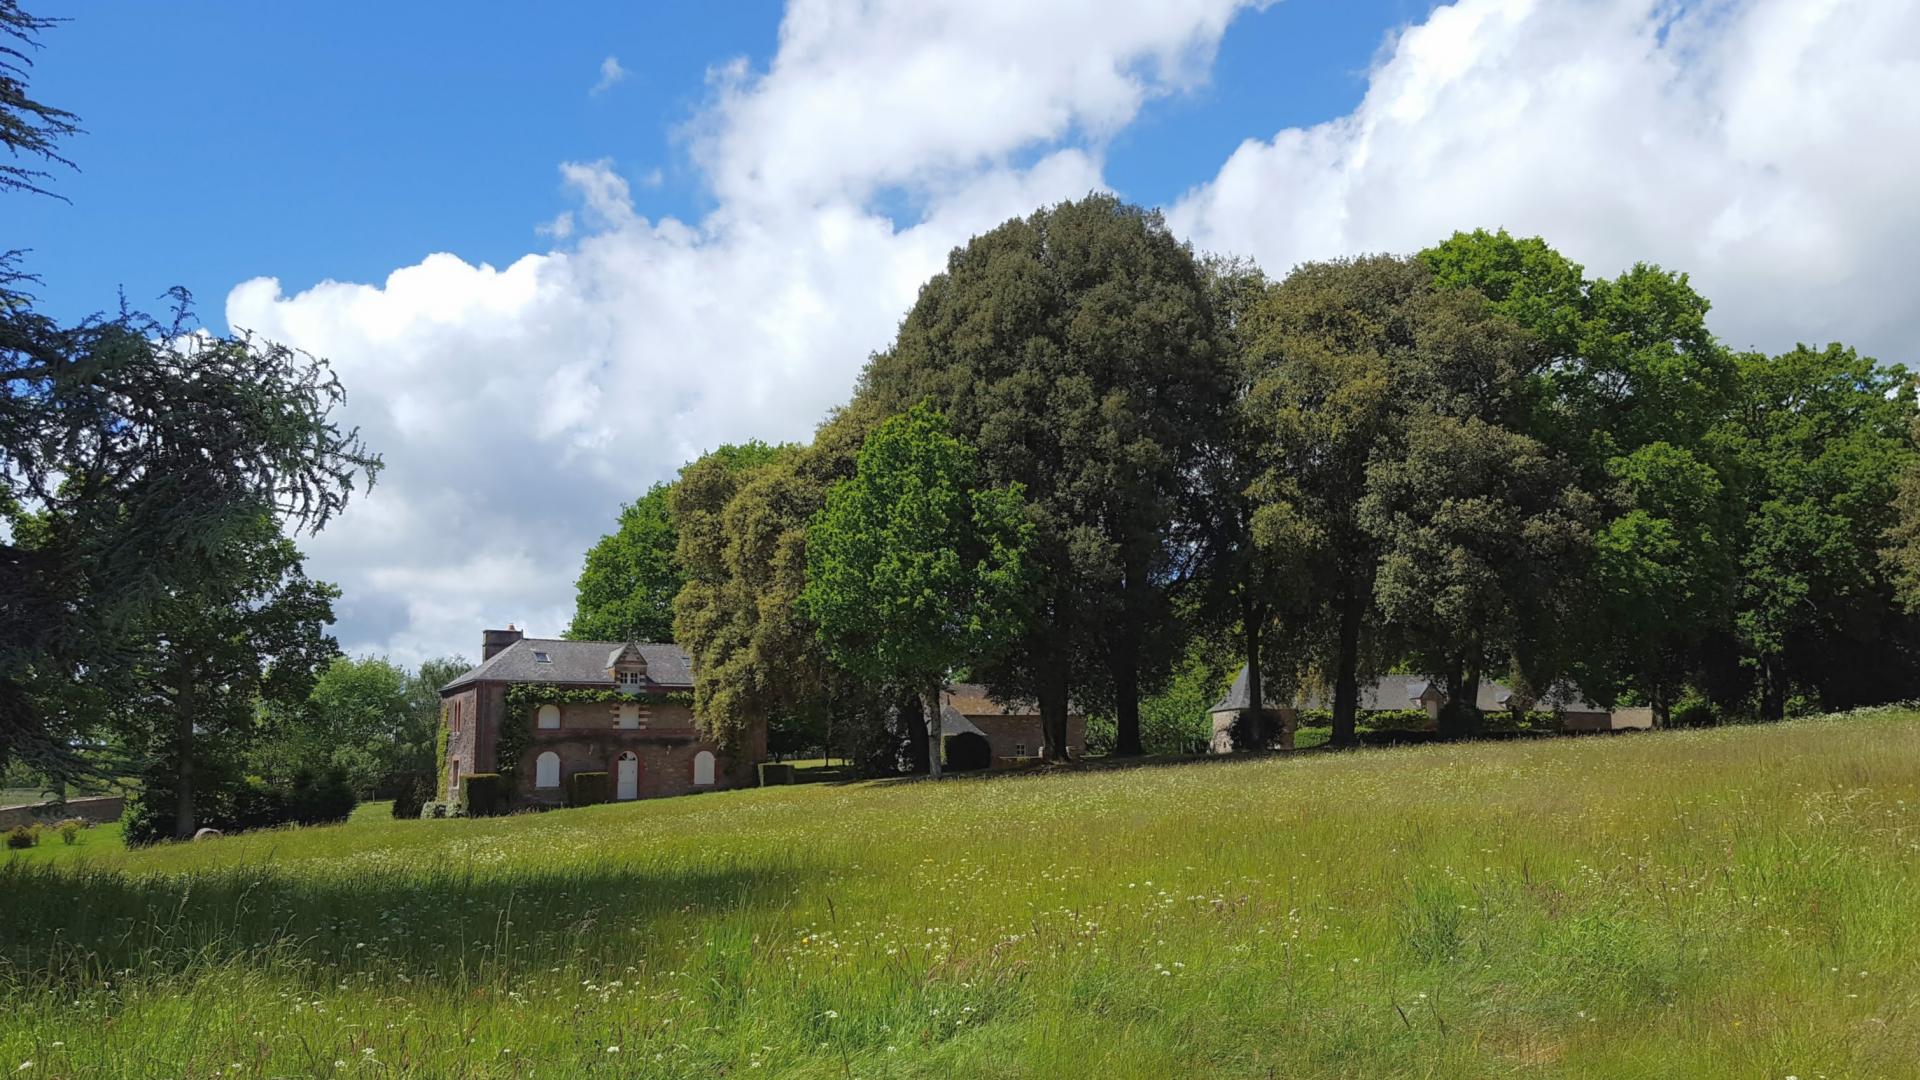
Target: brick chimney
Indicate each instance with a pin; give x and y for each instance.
(493, 641)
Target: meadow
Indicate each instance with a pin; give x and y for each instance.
(1730, 902)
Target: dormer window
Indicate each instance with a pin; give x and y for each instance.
(628, 667)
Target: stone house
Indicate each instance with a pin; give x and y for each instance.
(1389, 693)
(622, 708)
(981, 733)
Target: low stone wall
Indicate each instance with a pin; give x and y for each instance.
(96, 808)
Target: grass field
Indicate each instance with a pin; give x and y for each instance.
(1737, 902)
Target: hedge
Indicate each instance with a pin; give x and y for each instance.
(231, 803)
(586, 788)
(483, 794)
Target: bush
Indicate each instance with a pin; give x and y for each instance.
(1396, 720)
(69, 830)
(1693, 712)
(483, 794)
(23, 836)
(321, 798)
(1537, 722)
(238, 803)
(412, 795)
(587, 789)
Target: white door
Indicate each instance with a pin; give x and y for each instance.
(629, 777)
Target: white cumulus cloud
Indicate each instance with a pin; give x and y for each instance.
(518, 406)
(1771, 147)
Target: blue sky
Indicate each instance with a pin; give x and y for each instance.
(542, 299)
(312, 142)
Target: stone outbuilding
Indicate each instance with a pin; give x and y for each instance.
(1010, 729)
(1277, 721)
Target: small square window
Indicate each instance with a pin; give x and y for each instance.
(1019, 749)
(542, 658)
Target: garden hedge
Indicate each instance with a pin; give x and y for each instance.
(483, 794)
(586, 788)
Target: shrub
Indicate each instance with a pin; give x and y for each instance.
(252, 804)
(483, 794)
(1396, 720)
(586, 788)
(1101, 734)
(321, 798)
(238, 803)
(148, 815)
(69, 830)
(1693, 712)
(413, 795)
(23, 836)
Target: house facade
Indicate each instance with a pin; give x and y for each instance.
(979, 732)
(567, 707)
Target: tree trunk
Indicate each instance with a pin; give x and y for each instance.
(1773, 696)
(1661, 707)
(1051, 690)
(183, 816)
(1346, 679)
(1460, 716)
(909, 729)
(934, 728)
(1253, 717)
(1126, 700)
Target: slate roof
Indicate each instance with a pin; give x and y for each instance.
(954, 722)
(578, 663)
(972, 699)
(1404, 692)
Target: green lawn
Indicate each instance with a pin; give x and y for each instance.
(1734, 902)
(98, 841)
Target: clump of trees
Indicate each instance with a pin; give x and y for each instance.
(1472, 462)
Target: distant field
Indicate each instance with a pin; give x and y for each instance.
(1736, 902)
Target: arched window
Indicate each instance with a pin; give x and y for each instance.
(703, 767)
(549, 717)
(546, 770)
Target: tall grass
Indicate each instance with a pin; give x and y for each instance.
(1715, 903)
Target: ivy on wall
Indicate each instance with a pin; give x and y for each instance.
(516, 727)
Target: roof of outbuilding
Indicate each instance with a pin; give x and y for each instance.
(973, 699)
(954, 722)
(578, 663)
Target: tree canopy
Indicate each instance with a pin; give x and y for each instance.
(913, 567)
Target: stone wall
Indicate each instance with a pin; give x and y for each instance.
(96, 808)
(1018, 735)
(462, 716)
